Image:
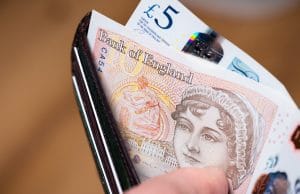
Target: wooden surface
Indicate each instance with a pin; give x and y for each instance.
(43, 147)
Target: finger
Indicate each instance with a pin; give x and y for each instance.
(185, 180)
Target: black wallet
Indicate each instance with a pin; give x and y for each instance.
(114, 166)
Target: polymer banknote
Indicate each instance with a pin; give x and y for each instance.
(170, 23)
(174, 113)
(279, 171)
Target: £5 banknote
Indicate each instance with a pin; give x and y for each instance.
(170, 23)
(279, 170)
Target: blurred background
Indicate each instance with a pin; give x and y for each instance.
(43, 147)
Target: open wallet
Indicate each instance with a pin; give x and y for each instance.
(149, 109)
(112, 161)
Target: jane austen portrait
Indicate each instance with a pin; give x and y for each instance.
(215, 127)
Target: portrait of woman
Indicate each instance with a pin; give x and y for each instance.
(215, 127)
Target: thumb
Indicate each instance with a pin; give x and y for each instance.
(185, 180)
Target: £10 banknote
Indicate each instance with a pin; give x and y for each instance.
(173, 113)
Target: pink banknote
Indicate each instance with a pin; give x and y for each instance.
(172, 116)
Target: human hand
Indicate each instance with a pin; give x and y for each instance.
(185, 180)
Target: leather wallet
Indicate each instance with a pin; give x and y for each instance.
(113, 163)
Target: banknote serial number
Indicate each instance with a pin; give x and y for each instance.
(101, 60)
